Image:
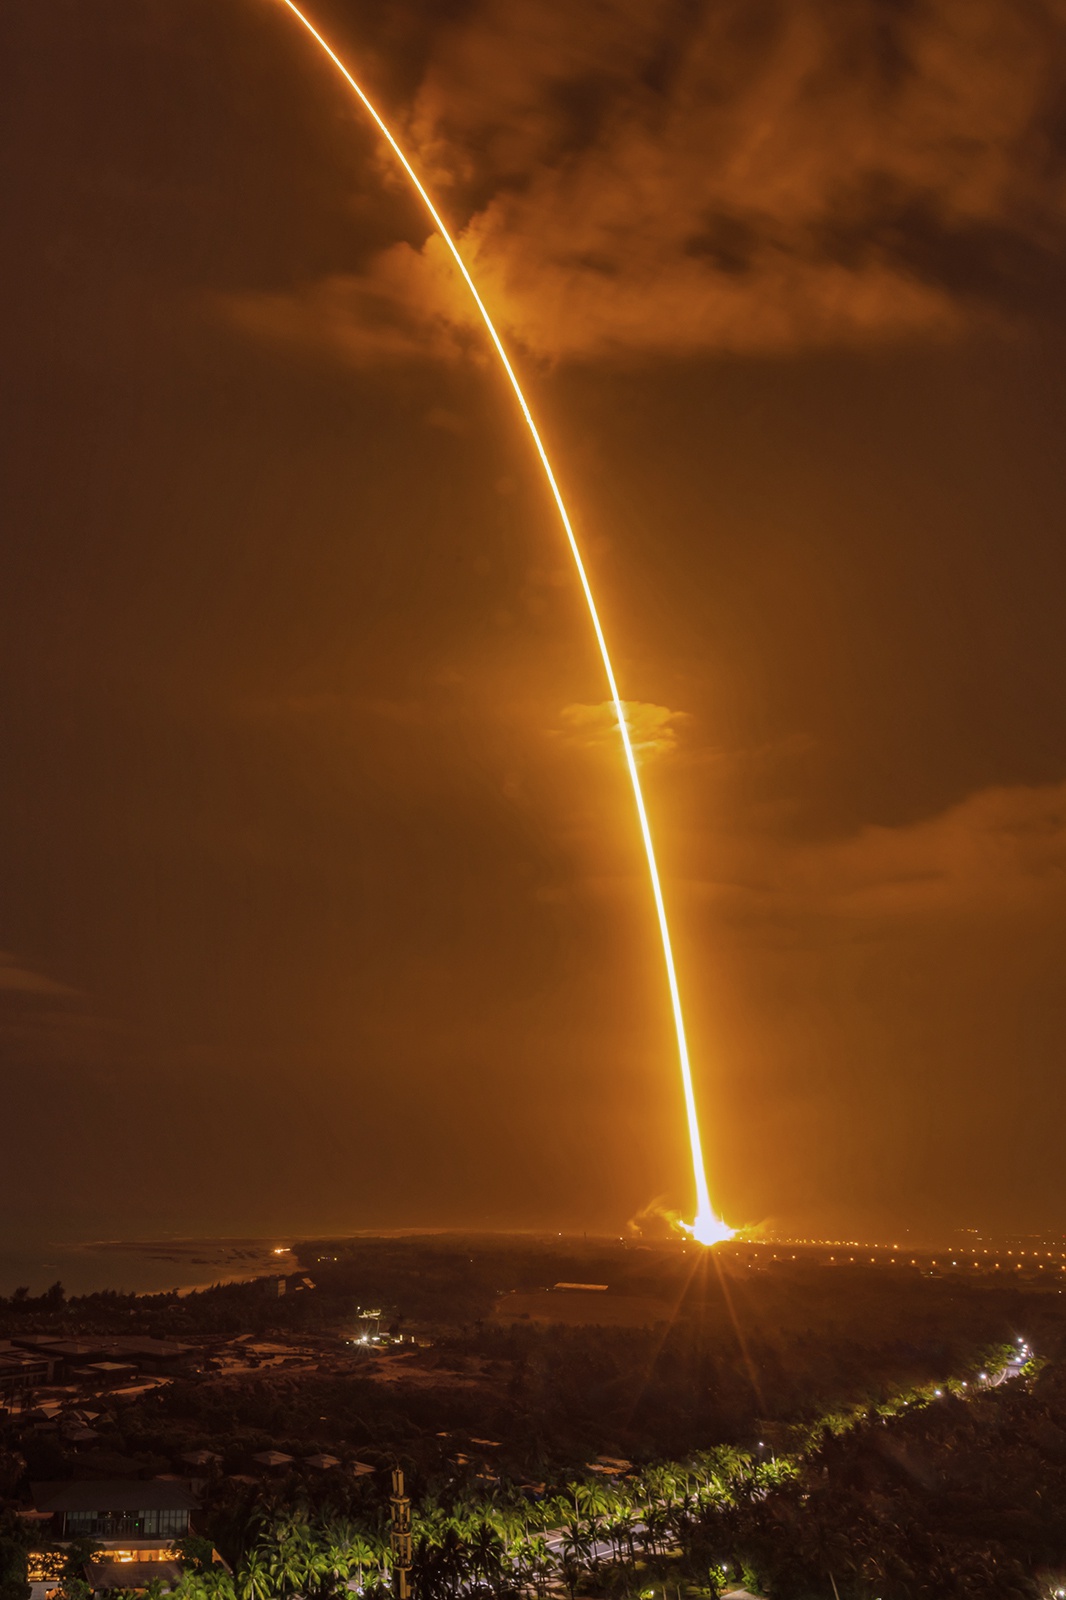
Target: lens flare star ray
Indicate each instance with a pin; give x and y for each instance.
(706, 1227)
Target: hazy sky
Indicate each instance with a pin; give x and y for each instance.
(321, 898)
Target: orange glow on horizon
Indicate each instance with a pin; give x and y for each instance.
(706, 1227)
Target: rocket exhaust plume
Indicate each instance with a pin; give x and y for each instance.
(706, 1227)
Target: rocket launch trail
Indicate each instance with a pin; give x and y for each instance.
(706, 1227)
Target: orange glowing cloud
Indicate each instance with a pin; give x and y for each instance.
(358, 319)
(758, 179)
(652, 728)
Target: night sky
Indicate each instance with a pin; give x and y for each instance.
(322, 903)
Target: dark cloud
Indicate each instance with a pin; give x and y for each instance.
(662, 178)
(20, 980)
(47, 1024)
(857, 999)
(997, 854)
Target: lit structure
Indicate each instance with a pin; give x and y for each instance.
(706, 1227)
(400, 1534)
(133, 1526)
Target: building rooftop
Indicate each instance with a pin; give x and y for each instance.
(115, 1494)
(146, 1345)
(76, 1348)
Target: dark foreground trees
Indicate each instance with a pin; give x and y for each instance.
(962, 1497)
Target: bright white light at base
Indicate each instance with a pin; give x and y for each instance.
(708, 1229)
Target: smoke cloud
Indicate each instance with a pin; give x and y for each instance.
(756, 177)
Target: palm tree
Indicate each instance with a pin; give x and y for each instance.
(334, 1566)
(485, 1553)
(217, 1584)
(621, 1529)
(361, 1555)
(576, 1553)
(287, 1565)
(253, 1580)
(442, 1561)
(341, 1531)
(544, 1563)
(190, 1586)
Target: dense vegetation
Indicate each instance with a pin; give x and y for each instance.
(953, 1491)
(784, 1427)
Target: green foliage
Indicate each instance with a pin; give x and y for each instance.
(75, 1556)
(196, 1552)
(72, 1588)
(14, 1542)
(957, 1496)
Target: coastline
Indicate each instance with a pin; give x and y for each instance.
(140, 1266)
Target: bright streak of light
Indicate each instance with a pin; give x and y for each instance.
(707, 1228)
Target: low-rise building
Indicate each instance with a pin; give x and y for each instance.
(149, 1515)
(23, 1369)
(154, 1355)
(78, 1358)
(137, 1524)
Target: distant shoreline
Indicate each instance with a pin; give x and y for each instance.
(185, 1264)
(145, 1266)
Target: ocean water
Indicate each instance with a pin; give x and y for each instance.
(139, 1266)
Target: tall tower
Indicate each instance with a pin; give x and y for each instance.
(400, 1536)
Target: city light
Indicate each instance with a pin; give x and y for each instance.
(707, 1228)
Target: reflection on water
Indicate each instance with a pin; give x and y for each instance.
(141, 1266)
